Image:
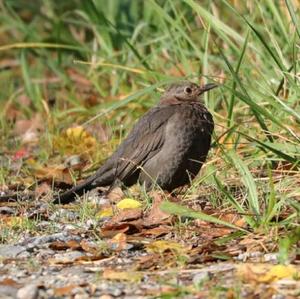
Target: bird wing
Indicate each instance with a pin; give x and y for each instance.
(143, 142)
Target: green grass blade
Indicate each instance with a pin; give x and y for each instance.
(179, 210)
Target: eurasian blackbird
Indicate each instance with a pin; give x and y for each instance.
(167, 146)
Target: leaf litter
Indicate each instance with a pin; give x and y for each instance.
(118, 253)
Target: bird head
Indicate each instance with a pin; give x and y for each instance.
(186, 91)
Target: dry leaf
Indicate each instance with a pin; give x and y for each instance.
(115, 195)
(118, 242)
(111, 229)
(65, 291)
(90, 247)
(156, 216)
(127, 215)
(60, 245)
(121, 275)
(58, 173)
(42, 189)
(264, 273)
(161, 246)
(10, 282)
(156, 231)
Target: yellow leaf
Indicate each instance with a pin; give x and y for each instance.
(105, 213)
(128, 203)
(162, 246)
(278, 272)
(122, 275)
(76, 132)
(75, 141)
(264, 273)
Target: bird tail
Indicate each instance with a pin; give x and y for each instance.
(70, 195)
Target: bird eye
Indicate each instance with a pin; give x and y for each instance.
(188, 90)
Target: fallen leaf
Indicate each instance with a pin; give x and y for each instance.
(264, 273)
(75, 141)
(111, 229)
(156, 215)
(128, 203)
(161, 246)
(90, 247)
(115, 195)
(156, 231)
(147, 262)
(60, 245)
(42, 189)
(278, 272)
(10, 282)
(66, 290)
(58, 173)
(122, 275)
(104, 213)
(127, 215)
(118, 242)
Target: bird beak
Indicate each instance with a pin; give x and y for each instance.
(207, 87)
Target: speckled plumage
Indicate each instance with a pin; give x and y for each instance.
(167, 146)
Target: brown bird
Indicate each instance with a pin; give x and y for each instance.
(167, 146)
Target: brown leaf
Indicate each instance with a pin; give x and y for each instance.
(148, 261)
(65, 291)
(42, 189)
(89, 258)
(156, 216)
(89, 247)
(10, 282)
(127, 215)
(57, 173)
(115, 195)
(156, 231)
(118, 242)
(111, 229)
(60, 245)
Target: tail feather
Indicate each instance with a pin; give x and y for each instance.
(70, 195)
(99, 179)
